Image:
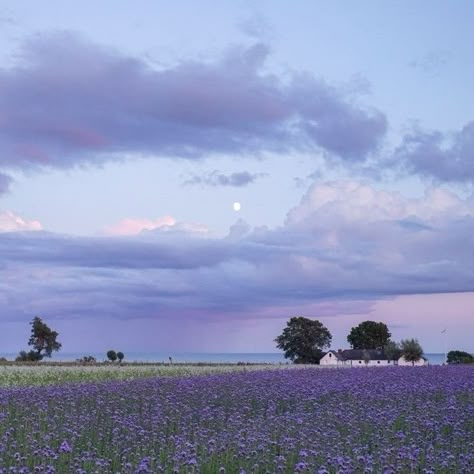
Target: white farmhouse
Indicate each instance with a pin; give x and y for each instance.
(421, 361)
(356, 358)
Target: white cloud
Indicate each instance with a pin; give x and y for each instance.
(351, 201)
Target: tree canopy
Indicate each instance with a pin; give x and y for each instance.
(392, 350)
(460, 357)
(411, 350)
(303, 340)
(42, 339)
(369, 335)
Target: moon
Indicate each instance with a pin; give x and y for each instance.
(236, 206)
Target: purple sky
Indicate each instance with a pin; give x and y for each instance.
(127, 134)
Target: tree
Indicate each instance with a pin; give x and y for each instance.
(24, 356)
(411, 350)
(112, 355)
(392, 350)
(369, 335)
(366, 356)
(42, 339)
(120, 356)
(303, 340)
(87, 360)
(460, 357)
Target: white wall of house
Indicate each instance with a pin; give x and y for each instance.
(419, 362)
(330, 359)
(379, 363)
(371, 363)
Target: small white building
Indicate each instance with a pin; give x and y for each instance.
(420, 362)
(356, 358)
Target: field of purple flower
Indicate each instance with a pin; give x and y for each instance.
(304, 420)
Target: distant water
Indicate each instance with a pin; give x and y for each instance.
(264, 357)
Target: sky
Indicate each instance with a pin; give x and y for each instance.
(128, 130)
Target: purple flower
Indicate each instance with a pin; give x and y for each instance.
(65, 448)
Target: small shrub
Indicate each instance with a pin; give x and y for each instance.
(87, 360)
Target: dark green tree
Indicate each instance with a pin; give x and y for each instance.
(42, 339)
(112, 355)
(24, 356)
(411, 350)
(460, 357)
(303, 340)
(120, 356)
(369, 335)
(392, 350)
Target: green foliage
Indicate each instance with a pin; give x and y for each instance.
(112, 355)
(392, 350)
(411, 350)
(42, 339)
(120, 356)
(303, 340)
(460, 357)
(31, 356)
(369, 335)
(87, 360)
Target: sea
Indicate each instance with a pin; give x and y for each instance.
(194, 357)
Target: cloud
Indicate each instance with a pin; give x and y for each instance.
(344, 242)
(5, 182)
(340, 202)
(432, 62)
(10, 222)
(238, 179)
(7, 21)
(256, 26)
(165, 224)
(68, 101)
(444, 157)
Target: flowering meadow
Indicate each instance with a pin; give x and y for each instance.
(379, 420)
(34, 374)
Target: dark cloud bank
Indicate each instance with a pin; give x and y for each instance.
(344, 242)
(68, 101)
(445, 157)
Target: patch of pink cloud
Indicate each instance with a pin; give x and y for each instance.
(10, 222)
(131, 226)
(425, 317)
(32, 152)
(80, 136)
(135, 226)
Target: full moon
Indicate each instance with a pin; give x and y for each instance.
(236, 206)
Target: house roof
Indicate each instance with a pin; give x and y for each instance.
(337, 355)
(358, 354)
